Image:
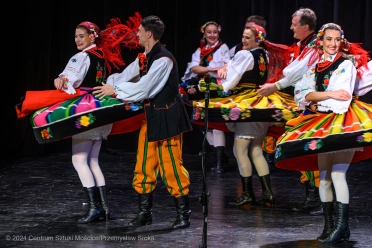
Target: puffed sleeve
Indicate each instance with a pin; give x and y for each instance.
(243, 61)
(343, 77)
(220, 57)
(76, 69)
(304, 87)
(294, 72)
(195, 60)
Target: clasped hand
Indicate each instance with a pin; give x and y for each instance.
(104, 90)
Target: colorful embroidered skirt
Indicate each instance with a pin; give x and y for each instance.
(244, 104)
(309, 135)
(84, 112)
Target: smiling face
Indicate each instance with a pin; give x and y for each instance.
(248, 39)
(331, 42)
(83, 39)
(211, 34)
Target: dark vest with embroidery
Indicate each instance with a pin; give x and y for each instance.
(320, 77)
(255, 75)
(165, 113)
(96, 73)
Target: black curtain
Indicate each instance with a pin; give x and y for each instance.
(39, 40)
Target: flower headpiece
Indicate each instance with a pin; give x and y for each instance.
(261, 33)
(92, 28)
(330, 25)
(202, 28)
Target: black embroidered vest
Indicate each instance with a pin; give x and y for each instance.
(96, 73)
(323, 77)
(165, 113)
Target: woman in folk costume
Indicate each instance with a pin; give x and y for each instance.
(338, 129)
(85, 118)
(237, 103)
(209, 57)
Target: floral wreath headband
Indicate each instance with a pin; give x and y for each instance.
(92, 28)
(320, 34)
(261, 33)
(202, 28)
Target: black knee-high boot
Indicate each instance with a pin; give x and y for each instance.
(144, 217)
(267, 197)
(102, 198)
(247, 196)
(183, 212)
(341, 231)
(328, 220)
(94, 209)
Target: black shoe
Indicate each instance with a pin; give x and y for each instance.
(94, 210)
(144, 217)
(312, 200)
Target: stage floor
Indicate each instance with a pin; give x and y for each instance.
(42, 197)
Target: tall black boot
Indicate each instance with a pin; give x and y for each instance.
(341, 231)
(144, 217)
(312, 200)
(328, 220)
(247, 196)
(102, 198)
(220, 159)
(183, 212)
(267, 197)
(94, 209)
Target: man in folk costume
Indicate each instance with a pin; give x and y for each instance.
(153, 78)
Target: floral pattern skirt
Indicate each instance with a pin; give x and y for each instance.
(244, 104)
(85, 112)
(311, 134)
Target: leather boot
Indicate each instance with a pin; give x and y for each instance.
(317, 211)
(102, 198)
(94, 209)
(221, 159)
(312, 200)
(144, 217)
(341, 231)
(247, 196)
(183, 212)
(267, 198)
(328, 220)
(270, 158)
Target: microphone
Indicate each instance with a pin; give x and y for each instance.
(207, 80)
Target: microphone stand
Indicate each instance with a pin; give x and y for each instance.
(204, 198)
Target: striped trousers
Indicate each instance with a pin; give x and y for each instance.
(164, 157)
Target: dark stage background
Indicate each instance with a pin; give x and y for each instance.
(40, 40)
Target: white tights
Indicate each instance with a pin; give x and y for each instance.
(216, 138)
(333, 168)
(247, 150)
(85, 160)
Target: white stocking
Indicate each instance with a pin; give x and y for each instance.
(241, 155)
(218, 138)
(84, 152)
(256, 155)
(325, 184)
(341, 165)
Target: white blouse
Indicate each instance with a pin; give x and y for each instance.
(130, 86)
(76, 70)
(220, 58)
(342, 78)
(294, 71)
(364, 85)
(242, 61)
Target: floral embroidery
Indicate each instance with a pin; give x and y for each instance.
(143, 62)
(278, 152)
(100, 74)
(85, 120)
(191, 89)
(261, 65)
(133, 106)
(234, 114)
(198, 114)
(313, 145)
(366, 137)
(46, 133)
